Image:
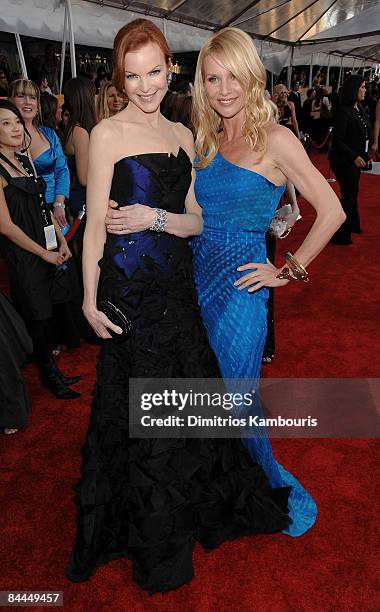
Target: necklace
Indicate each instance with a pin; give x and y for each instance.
(26, 171)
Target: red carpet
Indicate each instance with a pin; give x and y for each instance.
(328, 328)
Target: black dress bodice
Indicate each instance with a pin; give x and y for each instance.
(156, 179)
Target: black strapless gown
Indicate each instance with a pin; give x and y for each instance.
(150, 500)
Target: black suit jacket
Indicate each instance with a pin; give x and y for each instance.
(295, 97)
(348, 137)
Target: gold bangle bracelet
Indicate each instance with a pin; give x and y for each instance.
(297, 269)
(285, 274)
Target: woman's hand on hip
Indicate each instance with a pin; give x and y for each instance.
(262, 275)
(128, 219)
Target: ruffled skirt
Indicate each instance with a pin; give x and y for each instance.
(150, 500)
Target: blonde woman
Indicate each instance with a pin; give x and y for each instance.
(245, 160)
(110, 101)
(286, 109)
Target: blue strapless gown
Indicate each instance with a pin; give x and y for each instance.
(238, 206)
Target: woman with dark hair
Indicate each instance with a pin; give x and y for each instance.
(51, 114)
(349, 152)
(31, 243)
(321, 115)
(376, 123)
(79, 95)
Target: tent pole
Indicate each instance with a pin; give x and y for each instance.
(328, 71)
(72, 43)
(290, 70)
(63, 52)
(340, 71)
(21, 56)
(353, 66)
(271, 83)
(311, 72)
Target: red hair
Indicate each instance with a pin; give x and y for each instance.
(132, 37)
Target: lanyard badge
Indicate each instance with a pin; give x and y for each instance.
(50, 237)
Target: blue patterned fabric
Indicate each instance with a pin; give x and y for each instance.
(238, 206)
(52, 165)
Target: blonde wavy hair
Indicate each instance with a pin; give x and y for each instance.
(235, 50)
(102, 110)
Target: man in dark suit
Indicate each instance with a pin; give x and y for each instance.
(295, 97)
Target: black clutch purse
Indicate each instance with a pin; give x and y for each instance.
(119, 318)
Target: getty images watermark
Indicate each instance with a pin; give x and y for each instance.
(204, 408)
(227, 401)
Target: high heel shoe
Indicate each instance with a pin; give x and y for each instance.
(52, 380)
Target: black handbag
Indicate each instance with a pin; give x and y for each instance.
(119, 318)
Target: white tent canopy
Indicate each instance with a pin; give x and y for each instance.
(93, 25)
(286, 31)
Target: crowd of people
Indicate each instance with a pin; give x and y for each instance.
(53, 156)
(116, 183)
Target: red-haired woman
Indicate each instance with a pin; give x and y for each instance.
(151, 499)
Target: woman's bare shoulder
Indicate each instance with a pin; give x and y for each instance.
(185, 138)
(181, 130)
(79, 132)
(104, 131)
(281, 140)
(276, 132)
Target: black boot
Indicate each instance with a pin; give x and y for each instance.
(51, 379)
(68, 380)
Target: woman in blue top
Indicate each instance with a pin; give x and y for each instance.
(48, 157)
(244, 162)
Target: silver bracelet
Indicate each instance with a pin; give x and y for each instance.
(160, 220)
(59, 205)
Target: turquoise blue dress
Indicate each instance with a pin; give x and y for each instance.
(238, 206)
